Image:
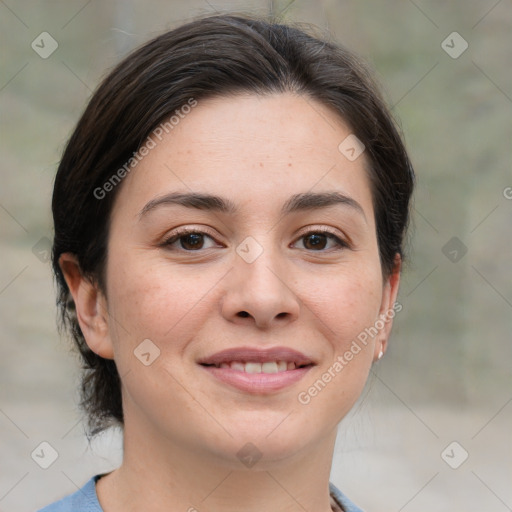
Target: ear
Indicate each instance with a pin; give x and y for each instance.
(388, 307)
(91, 307)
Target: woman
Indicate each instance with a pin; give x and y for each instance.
(229, 218)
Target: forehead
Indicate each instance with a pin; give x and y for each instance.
(254, 149)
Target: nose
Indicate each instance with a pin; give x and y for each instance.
(260, 292)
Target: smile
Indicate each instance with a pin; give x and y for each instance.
(258, 371)
(255, 367)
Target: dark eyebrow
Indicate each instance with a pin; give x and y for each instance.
(298, 202)
(312, 200)
(191, 200)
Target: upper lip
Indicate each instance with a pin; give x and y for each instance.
(257, 355)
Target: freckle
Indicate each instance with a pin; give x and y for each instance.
(261, 164)
(289, 165)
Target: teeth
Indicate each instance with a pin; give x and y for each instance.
(266, 367)
(252, 367)
(269, 367)
(238, 366)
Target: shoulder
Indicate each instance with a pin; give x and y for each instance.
(83, 500)
(342, 500)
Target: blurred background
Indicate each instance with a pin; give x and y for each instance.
(433, 429)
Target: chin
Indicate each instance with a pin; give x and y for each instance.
(259, 455)
(264, 446)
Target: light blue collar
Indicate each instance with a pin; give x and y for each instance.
(86, 500)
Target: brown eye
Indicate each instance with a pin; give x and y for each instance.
(188, 240)
(318, 240)
(192, 241)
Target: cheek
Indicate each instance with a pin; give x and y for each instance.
(148, 301)
(343, 310)
(347, 304)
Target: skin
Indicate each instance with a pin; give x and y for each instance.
(183, 428)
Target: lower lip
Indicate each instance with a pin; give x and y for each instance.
(258, 383)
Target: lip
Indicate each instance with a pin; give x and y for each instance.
(257, 355)
(257, 383)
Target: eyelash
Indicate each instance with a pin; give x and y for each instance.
(342, 244)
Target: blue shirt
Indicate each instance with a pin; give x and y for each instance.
(86, 500)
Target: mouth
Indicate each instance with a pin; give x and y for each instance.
(257, 367)
(258, 371)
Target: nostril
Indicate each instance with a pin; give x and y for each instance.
(243, 314)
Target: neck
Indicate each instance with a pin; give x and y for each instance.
(158, 476)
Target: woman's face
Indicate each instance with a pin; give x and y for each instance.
(258, 281)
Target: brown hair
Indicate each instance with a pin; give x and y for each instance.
(215, 55)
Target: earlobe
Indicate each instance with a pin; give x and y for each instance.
(388, 307)
(91, 307)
